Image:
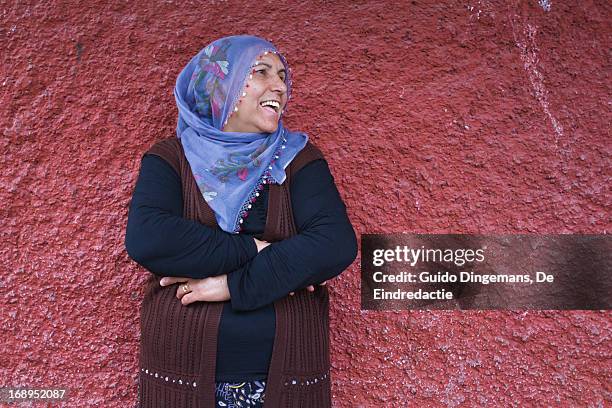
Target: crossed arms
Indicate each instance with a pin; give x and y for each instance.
(168, 245)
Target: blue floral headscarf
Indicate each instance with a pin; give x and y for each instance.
(230, 168)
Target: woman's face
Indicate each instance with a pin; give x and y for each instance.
(266, 95)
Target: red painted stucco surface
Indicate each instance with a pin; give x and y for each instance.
(458, 116)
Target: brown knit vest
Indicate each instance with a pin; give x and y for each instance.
(179, 343)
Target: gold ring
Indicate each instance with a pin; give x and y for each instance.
(186, 288)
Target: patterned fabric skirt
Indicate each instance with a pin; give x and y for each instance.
(240, 394)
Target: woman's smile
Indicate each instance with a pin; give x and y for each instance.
(272, 105)
(271, 108)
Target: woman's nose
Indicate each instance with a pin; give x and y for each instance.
(278, 85)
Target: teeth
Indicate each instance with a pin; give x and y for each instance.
(273, 104)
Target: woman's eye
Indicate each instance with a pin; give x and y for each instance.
(261, 71)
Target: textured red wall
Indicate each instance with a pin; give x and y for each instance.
(457, 116)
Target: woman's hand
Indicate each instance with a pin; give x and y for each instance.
(260, 244)
(213, 289)
(309, 288)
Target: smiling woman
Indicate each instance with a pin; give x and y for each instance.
(262, 106)
(241, 224)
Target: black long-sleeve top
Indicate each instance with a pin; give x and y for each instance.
(165, 243)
